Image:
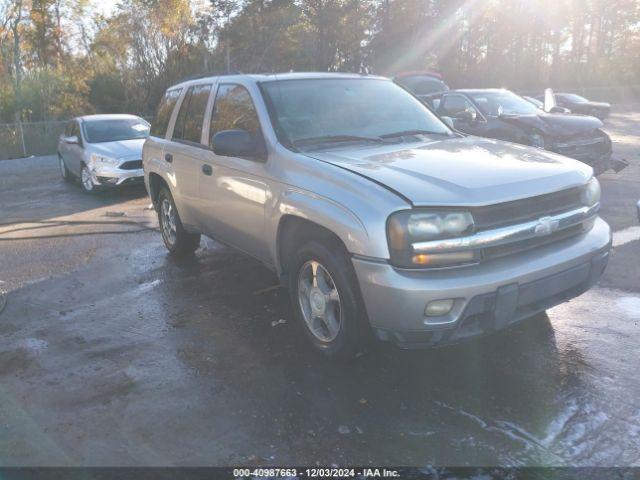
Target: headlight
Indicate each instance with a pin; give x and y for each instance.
(103, 160)
(413, 226)
(591, 193)
(536, 140)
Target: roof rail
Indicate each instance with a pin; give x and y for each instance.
(196, 76)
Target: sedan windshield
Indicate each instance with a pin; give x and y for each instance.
(344, 110)
(102, 131)
(503, 103)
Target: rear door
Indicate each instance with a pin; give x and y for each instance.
(233, 190)
(186, 153)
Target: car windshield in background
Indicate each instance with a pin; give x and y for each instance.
(102, 131)
(313, 111)
(574, 98)
(503, 103)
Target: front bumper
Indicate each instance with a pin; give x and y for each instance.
(488, 297)
(115, 177)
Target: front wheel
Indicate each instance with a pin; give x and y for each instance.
(177, 240)
(326, 300)
(86, 181)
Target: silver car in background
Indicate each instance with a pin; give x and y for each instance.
(103, 150)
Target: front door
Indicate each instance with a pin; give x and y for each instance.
(465, 116)
(73, 152)
(233, 190)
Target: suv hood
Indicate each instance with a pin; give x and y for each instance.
(555, 125)
(123, 149)
(467, 171)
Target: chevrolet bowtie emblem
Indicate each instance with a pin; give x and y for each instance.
(546, 226)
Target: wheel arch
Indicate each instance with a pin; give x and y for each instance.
(156, 183)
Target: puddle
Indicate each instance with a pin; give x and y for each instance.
(626, 235)
(630, 306)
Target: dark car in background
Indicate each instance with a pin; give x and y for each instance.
(423, 83)
(503, 115)
(577, 104)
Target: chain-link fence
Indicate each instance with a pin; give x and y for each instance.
(26, 139)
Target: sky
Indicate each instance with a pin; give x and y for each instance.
(106, 7)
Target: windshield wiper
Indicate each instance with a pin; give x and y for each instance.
(412, 132)
(336, 138)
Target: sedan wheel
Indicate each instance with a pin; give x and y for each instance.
(319, 301)
(85, 178)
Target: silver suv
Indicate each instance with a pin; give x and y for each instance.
(374, 214)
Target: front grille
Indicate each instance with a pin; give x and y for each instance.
(525, 210)
(131, 165)
(517, 247)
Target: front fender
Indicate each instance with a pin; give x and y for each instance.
(322, 211)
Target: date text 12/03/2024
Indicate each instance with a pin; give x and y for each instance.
(316, 472)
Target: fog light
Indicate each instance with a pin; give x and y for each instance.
(437, 308)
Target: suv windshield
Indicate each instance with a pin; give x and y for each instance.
(503, 103)
(316, 110)
(102, 131)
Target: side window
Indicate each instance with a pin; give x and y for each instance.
(234, 110)
(194, 113)
(178, 129)
(163, 114)
(452, 105)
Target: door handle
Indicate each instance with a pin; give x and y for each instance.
(168, 157)
(206, 169)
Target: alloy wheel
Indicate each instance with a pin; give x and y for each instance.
(319, 301)
(85, 177)
(168, 221)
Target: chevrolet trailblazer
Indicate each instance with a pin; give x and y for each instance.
(375, 215)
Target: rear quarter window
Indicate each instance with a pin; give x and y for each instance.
(163, 114)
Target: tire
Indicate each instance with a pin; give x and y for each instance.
(85, 180)
(177, 240)
(64, 171)
(335, 281)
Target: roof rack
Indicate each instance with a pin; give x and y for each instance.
(196, 76)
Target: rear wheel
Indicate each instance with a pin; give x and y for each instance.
(64, 171)
(177, 240)
(326, 300)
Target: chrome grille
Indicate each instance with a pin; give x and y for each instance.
(527, 209)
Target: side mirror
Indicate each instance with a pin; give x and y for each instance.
(466, 115)
(238, 143)
(448, 121)
(72, 140)
(557, 109)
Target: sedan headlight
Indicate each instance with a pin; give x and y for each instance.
(536, 140)
(591, 193)
(103, 160)
(406, 228)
